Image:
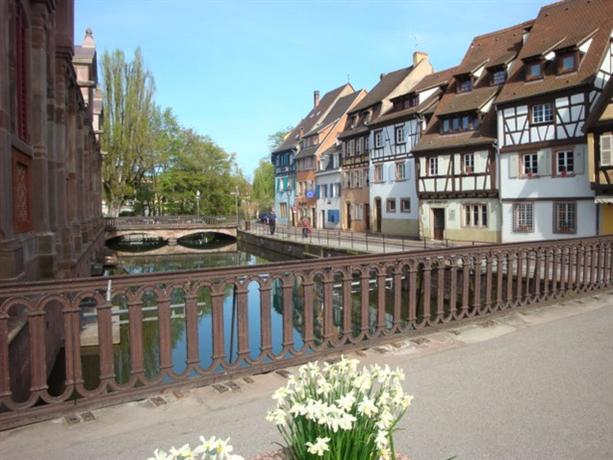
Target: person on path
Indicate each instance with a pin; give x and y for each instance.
(272, 221)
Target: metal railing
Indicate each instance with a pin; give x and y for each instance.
(119, 223)
(357, 241)
(127, 336)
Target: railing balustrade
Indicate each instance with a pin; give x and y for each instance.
(345, 239)
(151, 222)
(71, 344)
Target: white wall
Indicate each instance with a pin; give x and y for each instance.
(391, 188)
(324, 204)
(512, 185)
(544, 224)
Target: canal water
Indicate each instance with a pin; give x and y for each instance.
(143, 263)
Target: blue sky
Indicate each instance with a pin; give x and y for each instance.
(238, 71)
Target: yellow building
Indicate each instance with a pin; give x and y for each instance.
(599, 128)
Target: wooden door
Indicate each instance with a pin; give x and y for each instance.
(378, 215)
(438, 229)
(348, 214)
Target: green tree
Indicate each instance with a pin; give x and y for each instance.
(128, 90)
(263, 188)
(276, 139)
(198, 164)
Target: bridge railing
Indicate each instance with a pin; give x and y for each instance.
(127, 336)
(117, 223)
(358, 241)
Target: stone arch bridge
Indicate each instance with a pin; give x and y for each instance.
(170, 228)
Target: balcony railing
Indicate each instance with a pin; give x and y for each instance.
(72, 344)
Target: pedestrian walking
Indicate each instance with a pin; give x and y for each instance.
(272, 221)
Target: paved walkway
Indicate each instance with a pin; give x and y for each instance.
(531, 385)
(355, 241)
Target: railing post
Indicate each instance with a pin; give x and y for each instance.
(265, 318)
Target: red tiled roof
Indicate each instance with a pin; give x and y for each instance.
(316, 113)
(562, 25)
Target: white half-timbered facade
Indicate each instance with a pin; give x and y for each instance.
(545, 189)
(393, 188)
(458, 182)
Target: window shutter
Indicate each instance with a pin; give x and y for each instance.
(544, 163)
(407, 169)
(391, 174)
(579, 160)
(606, 149)
(318, 191)
(514, 165)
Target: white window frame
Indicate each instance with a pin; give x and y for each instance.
(542, 113)
(378, 138)
(606, 148)
(562, 167)
(399, 134)
(468, 163)
(433, 166)
(400, 171)
(533, 164)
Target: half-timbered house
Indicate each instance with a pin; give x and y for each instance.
(328, 188)
(457, 173)
(393, 191)
(320, 138)
(599, 129)
(284, 156)
(545, 190)
(356, 144)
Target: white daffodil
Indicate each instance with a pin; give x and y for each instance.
(160, 455)
(222, 448)
(367, 407)
(281, 394)
(323, 387)
(298, 409)
(183, 452)
(319, 446)
(277, 416)
(382, 440)
(347, 401)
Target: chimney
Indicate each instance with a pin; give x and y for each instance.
(315, 98)
(419, 56)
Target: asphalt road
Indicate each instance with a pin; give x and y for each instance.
(531, 386)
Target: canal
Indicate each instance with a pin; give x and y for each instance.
(238, 255)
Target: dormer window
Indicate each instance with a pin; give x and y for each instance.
(465, 85)
(413, 100)
(459, 123)
(567, 62)
(534, 70)
(498, 77)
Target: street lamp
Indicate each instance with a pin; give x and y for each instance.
(235, 193)
(198, 203)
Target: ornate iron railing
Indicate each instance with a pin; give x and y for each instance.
(77, 343)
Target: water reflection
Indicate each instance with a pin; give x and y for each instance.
(178, 333)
